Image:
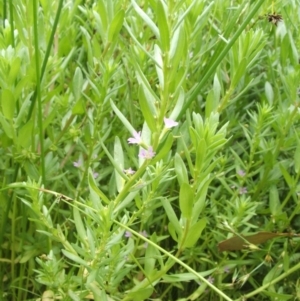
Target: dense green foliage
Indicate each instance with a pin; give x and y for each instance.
(104, 196)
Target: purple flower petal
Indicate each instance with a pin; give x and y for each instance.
(95, 175)
(77, 163)
(129, 171)
(243, 190)
(226, 269)
(128, 234)
(144, 233)
(169, 123)
(136, 139)
(147, 154)
(241, 173)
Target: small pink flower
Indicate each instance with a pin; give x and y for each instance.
(243, 190)
(129, 171)
(136, 139)
(169, 123)
(128, 234)
(241, 173)
(147, 154)
(77, 163)
(226, 269)
(144, 233)
(95, 175)
(211, 279)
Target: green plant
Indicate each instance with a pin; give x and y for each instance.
(138, 135)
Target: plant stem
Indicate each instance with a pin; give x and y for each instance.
(263, 287)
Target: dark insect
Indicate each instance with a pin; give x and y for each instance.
(274, 18)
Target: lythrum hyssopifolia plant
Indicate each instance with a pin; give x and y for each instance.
(139, 140)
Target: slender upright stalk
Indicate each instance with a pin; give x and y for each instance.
(38, 88)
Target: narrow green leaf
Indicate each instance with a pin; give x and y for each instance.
(173, 232)
(31, 171)
(142, 79)
(140, 294)
(112, 160)
(194, 137)
(8, 104)
(200, 199)
(286, 256)
(178, 58)
(183, 16)
(163, 26)
(93, 186)
(145, 100)
(24, 134)
(14, 70)
(77, 83)
(199, 125)
(171, 215)
(269, 92)
(272, 274)
(164, 150)
(123, 119)
(119, 159)
(217, 87)
(98, 294)
(79, 107)
(116, 26)
(79, 225)
(150, 257)
(75, 258)
(178, 106)
(211, 103)
(239, 73)
(297, 158)
(275, 295)
(74, 296)
(274, 203)
(158, 66)
(180, 169)
(186, 200)
(289, 180)
(177, 46)
(62, 238)
(187, 152)
(201, 153)
(146, 19)
(8, 129)
(21, 118)
(87, 45)
(194, 233)
(101, 9)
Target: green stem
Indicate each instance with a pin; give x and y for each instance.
(164, 96)
(47, 54)
(4, 12)
(131, 182)
(263, 287)
(11, 21)
(225, 100)
(38, 88)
